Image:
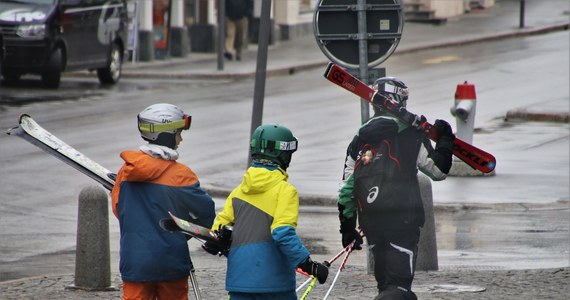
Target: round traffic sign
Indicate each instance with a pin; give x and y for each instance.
(337, 33)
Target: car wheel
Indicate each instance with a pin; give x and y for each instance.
(51, 75)
(112, 72)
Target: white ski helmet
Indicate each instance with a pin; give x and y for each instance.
(162, 119)
(392, 88)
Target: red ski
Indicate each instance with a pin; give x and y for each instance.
(471, 155)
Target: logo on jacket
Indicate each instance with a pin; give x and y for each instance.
(372, 194)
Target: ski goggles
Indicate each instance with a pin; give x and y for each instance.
(183, 124)
(276, 145)
(392, 89)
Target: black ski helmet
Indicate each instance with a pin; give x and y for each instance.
(392, 88)
(273, 142)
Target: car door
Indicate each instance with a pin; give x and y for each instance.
(71, 18)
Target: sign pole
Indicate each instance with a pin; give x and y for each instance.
(363, 56)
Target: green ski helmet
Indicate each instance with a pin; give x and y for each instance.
(273, 142)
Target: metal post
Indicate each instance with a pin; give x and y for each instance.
(259, 91)
(169, 29)
(221, 33)
(521, 17)
(363, 56)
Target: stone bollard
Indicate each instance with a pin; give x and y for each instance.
(92, 256)
(427, 246)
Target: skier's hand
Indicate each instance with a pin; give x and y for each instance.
(349, 236)
(213, 248)
(349, 233)
(320, 271)
(443, 130)
(419, 123)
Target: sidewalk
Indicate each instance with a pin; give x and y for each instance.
(498, 22)
(287, 57)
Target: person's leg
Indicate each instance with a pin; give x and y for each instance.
(401, 255)
(230, 39)
(377, 244)
(241, 26)
(175, 290)
(139, 290)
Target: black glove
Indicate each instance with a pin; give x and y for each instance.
(348, 231)
(316, 269)
(419, 123)
(222, 247)
(213, 248)
(349, 236)
(443, 130)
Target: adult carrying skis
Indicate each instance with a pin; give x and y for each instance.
(155, 264)
(381, 189)
(263, 210)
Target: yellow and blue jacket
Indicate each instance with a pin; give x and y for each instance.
(265, 249)
(145, 190)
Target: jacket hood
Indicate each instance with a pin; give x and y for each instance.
(259, 179)
(142, 167)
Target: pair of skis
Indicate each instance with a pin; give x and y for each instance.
(471, 155)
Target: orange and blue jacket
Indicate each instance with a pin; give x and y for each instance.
(145, 190)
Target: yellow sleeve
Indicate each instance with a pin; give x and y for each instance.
(226, 216)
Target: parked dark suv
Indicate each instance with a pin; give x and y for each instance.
(48, 37)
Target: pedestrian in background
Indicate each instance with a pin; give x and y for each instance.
(237, 15)
(155, 264)
(381, 189)
(263, 210)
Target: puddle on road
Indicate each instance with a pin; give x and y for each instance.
(470, 239)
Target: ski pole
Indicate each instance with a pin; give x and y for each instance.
(310, 288)
(329, 262)
(303, 284)
(339, 269)
(195, 285)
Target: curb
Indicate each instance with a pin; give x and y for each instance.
(524, 115)
(331, 201)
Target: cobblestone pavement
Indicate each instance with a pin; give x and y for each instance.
(530, 284)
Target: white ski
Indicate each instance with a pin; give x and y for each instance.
(32, 132)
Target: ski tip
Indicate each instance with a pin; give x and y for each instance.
(491, 165)
(168, 225)
(23, 116)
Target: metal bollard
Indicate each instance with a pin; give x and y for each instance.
(427, 246)
(92, 256)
